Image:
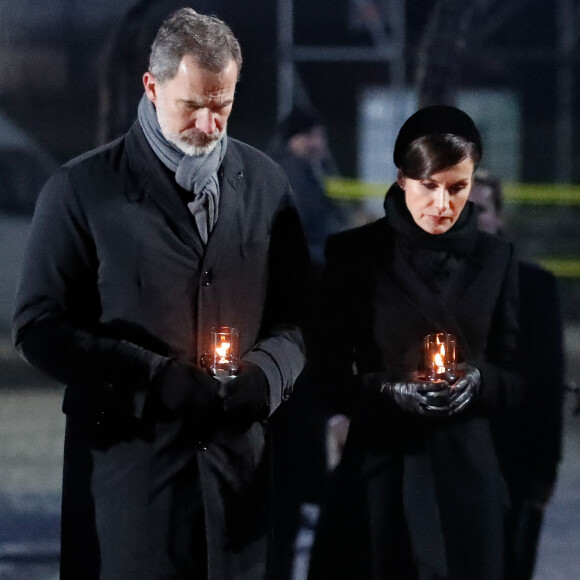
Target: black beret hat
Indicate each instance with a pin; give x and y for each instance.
(435, 119)
(298, 121)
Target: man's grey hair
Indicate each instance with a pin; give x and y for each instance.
(207, 38)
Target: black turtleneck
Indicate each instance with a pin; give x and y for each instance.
(433, 256)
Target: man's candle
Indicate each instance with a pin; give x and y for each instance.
(221, 354)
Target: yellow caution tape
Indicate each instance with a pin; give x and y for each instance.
(562, 267)
(525, 193)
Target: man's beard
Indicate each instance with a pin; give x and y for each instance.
(191, 141)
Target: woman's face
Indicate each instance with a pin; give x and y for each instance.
(436, 201)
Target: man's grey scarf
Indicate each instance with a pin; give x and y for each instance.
(197, 174)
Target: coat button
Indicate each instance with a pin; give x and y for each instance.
(206, 278)
(287, 392)
(101, 415)
(201, 446)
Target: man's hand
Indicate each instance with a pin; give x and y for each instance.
(187, 390)
(247, 395)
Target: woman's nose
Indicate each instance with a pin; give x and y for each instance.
(441, 200)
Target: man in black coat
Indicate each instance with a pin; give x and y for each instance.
(529, 439)
(136, 251)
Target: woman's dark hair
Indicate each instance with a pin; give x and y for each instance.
(430, 154)
(435, 138)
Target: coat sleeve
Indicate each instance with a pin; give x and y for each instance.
(55, 323)
(543, 351)
(503, 385)
(281, 350)
(333, 351)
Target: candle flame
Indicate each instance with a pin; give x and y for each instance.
(440, 362)
(222, 351)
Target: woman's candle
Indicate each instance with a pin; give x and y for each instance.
(439, 356)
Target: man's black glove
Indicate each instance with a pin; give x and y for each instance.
(248, 394)
(187, 390)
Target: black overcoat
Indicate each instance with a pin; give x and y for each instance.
(414, 491)
(115, 281)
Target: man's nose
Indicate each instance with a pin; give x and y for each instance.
(205, 121)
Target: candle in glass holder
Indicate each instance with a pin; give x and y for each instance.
(439, 350)
(221, 355)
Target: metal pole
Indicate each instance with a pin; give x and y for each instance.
(396, 12)
(564, 91)
(285, 62)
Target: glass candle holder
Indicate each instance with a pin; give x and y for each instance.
(439, 353)
(222, 351)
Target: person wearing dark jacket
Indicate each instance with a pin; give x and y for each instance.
(136, 251)
(300, 464)
(419, 493)
(528, 439)
(302, 151)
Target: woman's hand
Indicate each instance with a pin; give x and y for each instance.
(436, 399)
(418, 397)
(464, 390)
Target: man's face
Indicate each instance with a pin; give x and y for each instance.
(488, 217)
(311, 145)
(436, 201)
(193, 107)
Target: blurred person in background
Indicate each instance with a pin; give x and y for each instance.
(529, 439)
(301, 148)
(136, 251)
(419, 493)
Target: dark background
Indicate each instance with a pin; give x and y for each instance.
(70, 78)
(60, 57)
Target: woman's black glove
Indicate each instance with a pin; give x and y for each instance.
(465, 389)
(248, 394)
(436, 399)
(417, 397)
(187, 390)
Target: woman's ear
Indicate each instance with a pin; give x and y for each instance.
(401, 179)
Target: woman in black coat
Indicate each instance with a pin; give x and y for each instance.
(419, 493)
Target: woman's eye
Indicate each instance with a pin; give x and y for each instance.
(429, 185)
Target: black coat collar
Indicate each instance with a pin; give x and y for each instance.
(437, 310)
(153, 178)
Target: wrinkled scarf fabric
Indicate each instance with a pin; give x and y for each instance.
(195, 174)
(434, 257)
(459, 239)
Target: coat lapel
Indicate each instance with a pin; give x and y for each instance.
(433, 307)
(161, 189)
(225, 236)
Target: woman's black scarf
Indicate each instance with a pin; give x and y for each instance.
(460, 239)
(433, 256)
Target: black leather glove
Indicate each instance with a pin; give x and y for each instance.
(248, 395)
(417, 397)
(465, 389)
(435, 399)
(187, 390)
